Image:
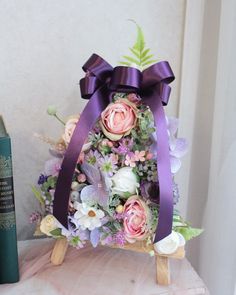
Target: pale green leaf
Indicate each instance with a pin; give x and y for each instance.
(131, 59)
(149, 62)
(145, 52)
(140, 43)
(37, 194)
(148, 57)
(56, 232)
(137, 54)
(189, 232)
(125, 63)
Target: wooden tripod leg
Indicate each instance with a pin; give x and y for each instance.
(59, 251)
(162, 268)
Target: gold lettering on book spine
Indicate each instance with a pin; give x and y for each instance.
(5, 167)
(7, 220)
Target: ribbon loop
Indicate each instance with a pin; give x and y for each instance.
(125, 79)
(159, 72)
(88, 85)
(98, 67)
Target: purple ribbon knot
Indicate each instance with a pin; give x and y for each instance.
(97, 86)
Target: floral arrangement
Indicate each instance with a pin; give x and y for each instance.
(113, 197)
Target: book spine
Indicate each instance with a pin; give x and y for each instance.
(9, 272)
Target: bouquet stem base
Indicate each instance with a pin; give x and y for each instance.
(162, 261)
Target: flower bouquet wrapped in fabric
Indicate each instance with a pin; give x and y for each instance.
(110, 180)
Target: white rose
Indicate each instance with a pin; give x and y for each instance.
(48, 223)
(125, 180)
(169, 244)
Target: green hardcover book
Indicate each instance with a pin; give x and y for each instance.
(9, 272)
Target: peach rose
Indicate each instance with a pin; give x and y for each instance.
(69, 130)
(118, 119)
(137, 219)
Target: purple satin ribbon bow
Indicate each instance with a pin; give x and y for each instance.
(100, 82)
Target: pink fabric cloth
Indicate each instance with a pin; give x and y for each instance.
(100, 271)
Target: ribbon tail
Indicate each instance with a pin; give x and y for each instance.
(164, 227)
(88, 118)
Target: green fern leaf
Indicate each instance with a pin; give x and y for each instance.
(140, 42)
(125, 63)
(135, 53)
(149, 62)
(147, 58)
(140, 55)
(145, 52)
(131, 59)
(37, 194)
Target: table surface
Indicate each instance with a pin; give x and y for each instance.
(99, 271)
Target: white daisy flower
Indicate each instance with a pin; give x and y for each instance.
(88, 217)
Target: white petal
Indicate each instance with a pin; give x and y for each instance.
(78, 215)
(182, 241)
(175, 164)
(100, 214)
(168, 245)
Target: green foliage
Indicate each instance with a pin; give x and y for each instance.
(75, 241)
(189, 232)
(38, 195)
(144, 131)
(140, 55)
(181, 226)
(56, 233)
(49, 184)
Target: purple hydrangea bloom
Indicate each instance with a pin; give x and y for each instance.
(178, 146)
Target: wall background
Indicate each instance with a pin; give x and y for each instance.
(43, 46)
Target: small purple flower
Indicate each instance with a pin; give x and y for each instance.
(107, 165)
(35, 217)
(125, 146)
(108, 240)
(119, 238)
(92, 157)
(120, 216)
(42, 178)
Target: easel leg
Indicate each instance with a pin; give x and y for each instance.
(162, 268)
(59, 251)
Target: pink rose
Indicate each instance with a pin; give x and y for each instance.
(118, 119)
(69, 128)
(137, 218)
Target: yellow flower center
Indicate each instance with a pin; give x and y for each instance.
(91, 213)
